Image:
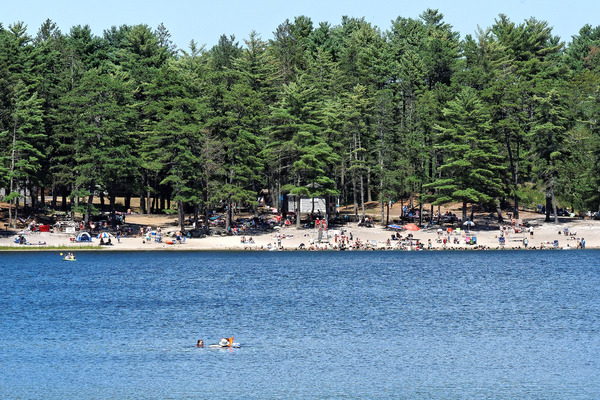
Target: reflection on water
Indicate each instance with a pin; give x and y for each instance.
(438, 325)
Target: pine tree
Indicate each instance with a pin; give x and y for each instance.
(101, 144)
(27, 142)
(472, 168)
(548, 137)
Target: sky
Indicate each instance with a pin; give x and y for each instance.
(205, 21)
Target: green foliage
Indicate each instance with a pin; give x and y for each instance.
(342, 110)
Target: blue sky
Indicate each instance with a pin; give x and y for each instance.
(204, 21)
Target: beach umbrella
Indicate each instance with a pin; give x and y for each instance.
(104, 235)
(469, 224)
(411, 227)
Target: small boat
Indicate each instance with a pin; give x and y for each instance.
(69, 257)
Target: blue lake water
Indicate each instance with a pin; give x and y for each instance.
(327, 325)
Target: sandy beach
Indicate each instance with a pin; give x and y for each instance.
(568, 233)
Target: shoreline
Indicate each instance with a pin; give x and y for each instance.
(370, 239)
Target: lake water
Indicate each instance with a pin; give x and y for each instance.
(327, 325)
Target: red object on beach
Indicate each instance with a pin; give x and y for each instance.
(411, 227)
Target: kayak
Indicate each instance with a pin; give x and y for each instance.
(69, 259)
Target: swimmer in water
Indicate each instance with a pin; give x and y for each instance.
(200, 343)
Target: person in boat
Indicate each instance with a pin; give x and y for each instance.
(200, 343)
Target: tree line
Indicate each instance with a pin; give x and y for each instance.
(503, 118)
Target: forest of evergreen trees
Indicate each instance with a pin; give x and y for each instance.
(504, 118)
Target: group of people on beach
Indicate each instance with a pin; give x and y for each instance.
(148, 234)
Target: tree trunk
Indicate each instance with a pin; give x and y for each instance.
(113, 207)
(54, 197)
(142, 203)
(431, 214)
(196, 212)
(33, 194)
(148, 197)
(143, 195)
(369, 191)
(12, 179)
(514, 169)
(16, 211)
(553, 200)
(387, 220)
(102, 205)
(464, 211)
(228, 219)
(548, 207)
(181, 216)
(43, 197)
(298, 211)
(499, 211)
(354, 198)
(362, 194)
(90, 201)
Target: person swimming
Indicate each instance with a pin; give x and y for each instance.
(200, 343)
(225, 342)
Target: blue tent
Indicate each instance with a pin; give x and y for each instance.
(84, 237)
